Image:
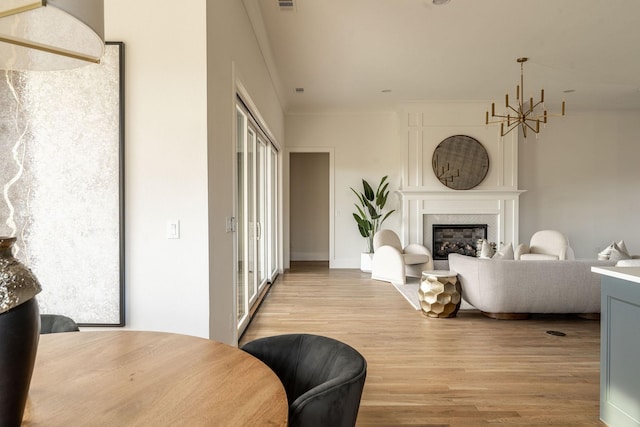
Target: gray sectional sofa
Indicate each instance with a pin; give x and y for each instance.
(512, 289)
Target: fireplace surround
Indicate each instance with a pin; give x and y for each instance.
(424, 208)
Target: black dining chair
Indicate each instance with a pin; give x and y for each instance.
(54, 323)
(323, 377)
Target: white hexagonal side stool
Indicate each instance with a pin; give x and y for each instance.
(439, 293)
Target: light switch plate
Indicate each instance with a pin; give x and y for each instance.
(173, 229)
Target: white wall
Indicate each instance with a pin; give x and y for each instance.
(581, 177)
(365, 145)
(165, 162)
(182, 65)
(233, 57)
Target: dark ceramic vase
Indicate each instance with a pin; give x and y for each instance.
(19, 334)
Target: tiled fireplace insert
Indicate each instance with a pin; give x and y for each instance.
(456, 238)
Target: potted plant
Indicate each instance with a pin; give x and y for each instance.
(370, 215)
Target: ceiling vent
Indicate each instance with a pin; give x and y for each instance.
(286, 4)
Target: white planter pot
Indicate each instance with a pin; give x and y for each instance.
(366, 259)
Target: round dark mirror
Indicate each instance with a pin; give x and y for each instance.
(460, 162)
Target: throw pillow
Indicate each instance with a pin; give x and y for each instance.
(623, 248)
(487, 250)
(505, 253)
(619, 248)
(617, 254)
(606, 252)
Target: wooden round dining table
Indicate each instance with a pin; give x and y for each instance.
(130, 378)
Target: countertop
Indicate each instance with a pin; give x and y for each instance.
(631, 274)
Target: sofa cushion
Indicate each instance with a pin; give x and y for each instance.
(630, 262)
(415, 258)
(538, 257)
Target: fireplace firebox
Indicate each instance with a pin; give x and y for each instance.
(456, 238)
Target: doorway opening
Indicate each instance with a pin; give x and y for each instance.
(309, 206)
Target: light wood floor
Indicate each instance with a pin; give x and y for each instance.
(464, 371)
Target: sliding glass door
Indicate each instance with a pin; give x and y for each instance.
(241, 273)
(255, 215)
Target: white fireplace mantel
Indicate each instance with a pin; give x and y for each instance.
(420, 191)
(502, 204)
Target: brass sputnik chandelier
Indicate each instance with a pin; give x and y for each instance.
(521, 114)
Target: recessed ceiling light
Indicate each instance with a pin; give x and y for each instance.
(299, 89)
(440, 2)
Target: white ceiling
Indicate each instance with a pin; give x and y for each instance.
(345, 52)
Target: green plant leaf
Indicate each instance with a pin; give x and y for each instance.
(381, 198)
(372, 210)
(364, 225)
(363, 216)
(368, 191)
(359, 196)
(365, 229)
(382, 193)
(383, 189)
(387, 215)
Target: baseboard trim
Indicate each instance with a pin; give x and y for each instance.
(309, 256)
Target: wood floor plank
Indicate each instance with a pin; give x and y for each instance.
(465, 371)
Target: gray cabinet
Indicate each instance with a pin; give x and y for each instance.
(620, 346)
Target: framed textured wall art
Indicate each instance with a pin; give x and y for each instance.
(61, 172)
(460, 162)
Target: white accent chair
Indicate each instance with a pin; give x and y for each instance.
(393, 263)
(545, 245)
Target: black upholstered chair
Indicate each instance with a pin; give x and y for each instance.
(323, 377)
(53, 323)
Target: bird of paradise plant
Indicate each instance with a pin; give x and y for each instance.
(370, 215)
